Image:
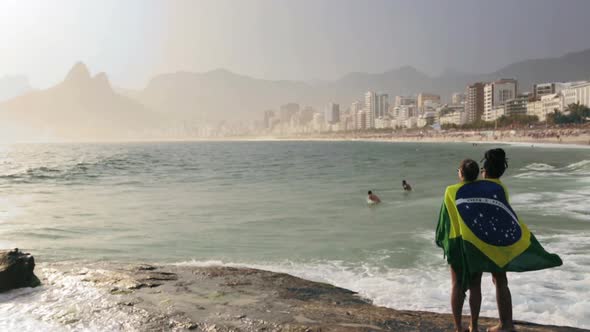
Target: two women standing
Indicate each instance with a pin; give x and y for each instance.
(479, 232)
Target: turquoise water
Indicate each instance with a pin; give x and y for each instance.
(296, 207)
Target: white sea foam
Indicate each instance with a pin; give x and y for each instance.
(570, 203)
(538, 167)
(554, 296)
(536, 170)
(64, 303)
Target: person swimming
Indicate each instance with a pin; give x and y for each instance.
(372, 198)
(406, 186)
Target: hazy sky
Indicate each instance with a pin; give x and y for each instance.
(132, 40)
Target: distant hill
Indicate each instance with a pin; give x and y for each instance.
(220, 95)
(13, 86)
(570, 67)
(80, 107)
(223, 95)
(87, 107)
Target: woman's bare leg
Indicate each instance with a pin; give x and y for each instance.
(457, 299)
(504, 301)
(475, 300)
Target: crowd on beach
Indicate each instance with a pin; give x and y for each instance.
(531, 135)
(540, 134)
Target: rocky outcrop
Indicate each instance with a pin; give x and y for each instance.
(180, 298)
(16, 270)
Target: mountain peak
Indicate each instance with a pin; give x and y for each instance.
(220, 71)
(407, 70)
(101, 80)
(78, 73)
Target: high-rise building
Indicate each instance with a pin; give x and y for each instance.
(318, 122)
(306, 115)
(269, 116)
(370, 108)
(498, 92)
(382, 105)
(287, 111)
(474, 101)
(362, 120)
(423, 97)
(458, 98)
(355, 107)
(332, 115)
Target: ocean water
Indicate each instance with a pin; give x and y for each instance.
(295, 207)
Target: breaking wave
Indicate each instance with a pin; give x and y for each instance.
(554, 296)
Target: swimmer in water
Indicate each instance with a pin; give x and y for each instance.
(372, 198)
(406, 186)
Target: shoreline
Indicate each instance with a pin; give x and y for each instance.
(224, 298)
(552, 137)
(576, 137)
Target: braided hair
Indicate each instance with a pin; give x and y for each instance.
(495, 163)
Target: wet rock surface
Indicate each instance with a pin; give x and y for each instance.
(16, 270)
(183, 298)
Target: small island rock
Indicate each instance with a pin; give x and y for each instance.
(16, 270)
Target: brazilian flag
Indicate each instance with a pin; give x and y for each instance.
(479, 232)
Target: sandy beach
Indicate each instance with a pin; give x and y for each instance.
(547, 137)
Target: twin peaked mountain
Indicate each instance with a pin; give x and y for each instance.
(80, 107)
(86, 107)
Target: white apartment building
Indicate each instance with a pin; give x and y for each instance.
(497, 93)
(425, 119)
(318, 122)
(569, 96)
(552, 102)
(362, 120)
(577, 93)
(543, 89)
(448, 118)
(382, 123)
(355, 107)
(382, 105)
(536, 108)
(495, 113)
(411, 122)
(402, 112)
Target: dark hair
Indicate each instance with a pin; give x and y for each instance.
(495, 163)
(370, 192)
(403, 181)
(470, 169)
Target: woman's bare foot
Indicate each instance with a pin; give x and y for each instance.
(462, 329)
(473, 328)
(501, 328)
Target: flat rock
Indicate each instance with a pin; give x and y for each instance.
(182, 298)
